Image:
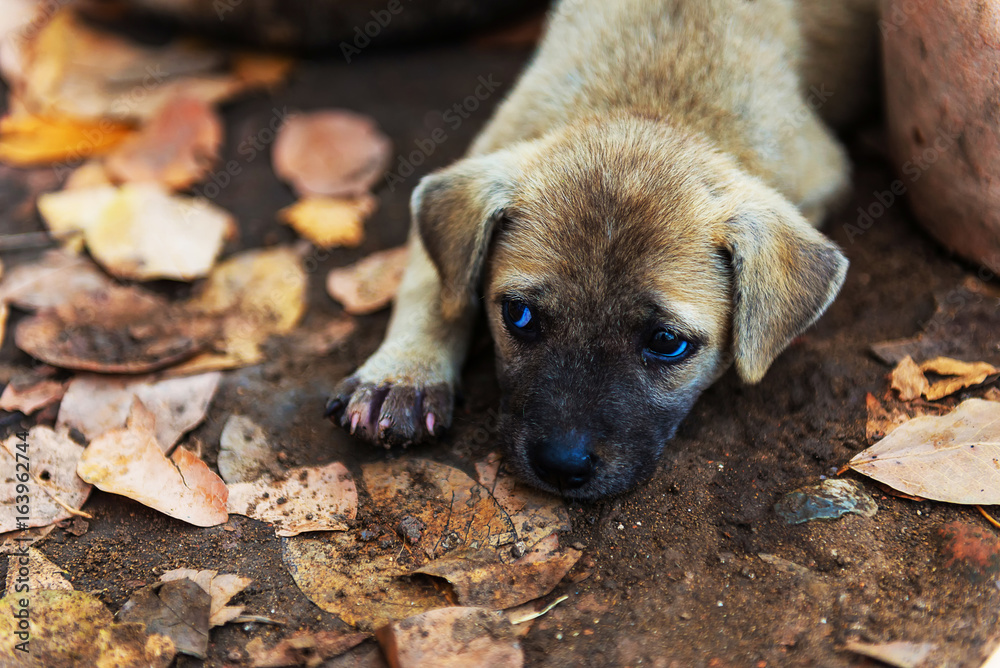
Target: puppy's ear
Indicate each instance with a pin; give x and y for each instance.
(455, 211)
(785, 275)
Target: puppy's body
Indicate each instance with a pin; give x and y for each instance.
(652, 177)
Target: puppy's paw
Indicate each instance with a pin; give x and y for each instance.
(391, 413)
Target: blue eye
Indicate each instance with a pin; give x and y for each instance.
(519, 317)
(668, 346)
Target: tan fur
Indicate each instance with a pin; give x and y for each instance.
(667, 148)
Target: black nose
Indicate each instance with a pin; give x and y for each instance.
(566, 461)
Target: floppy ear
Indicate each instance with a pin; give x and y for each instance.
(455, 211)
(785, 275)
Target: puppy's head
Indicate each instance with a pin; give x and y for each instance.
(623, 266)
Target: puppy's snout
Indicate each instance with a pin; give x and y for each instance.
(566, 461)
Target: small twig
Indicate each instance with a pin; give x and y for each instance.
(989, 518)
(520, 619)
(65, 506)
(260, 620)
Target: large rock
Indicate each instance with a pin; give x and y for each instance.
(942, 88)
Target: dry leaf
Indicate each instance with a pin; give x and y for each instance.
(28, 141)
(479, 579)
(909, 380)
(4, 313)
(302, 648)
(73, 628)
(430, 511)
(334, 153)
(131, 463)
(94, 404)
(258, 294)
(330, 222)
(900, 653)
(57, 278)
(88, 175)
(139, 231)
(321, 339)
(534, 514)
(72, 69)
(146, 233)
(966, 374)
(309, 499)
(46, 462)
(369, 285)
(953, 458)
(452, 637)
(245, 455)
(175, 149)
(220, 588)
(31, 398)
(178, 609)
(115, 330)
(33, 570)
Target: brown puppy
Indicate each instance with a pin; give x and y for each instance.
(637, 216)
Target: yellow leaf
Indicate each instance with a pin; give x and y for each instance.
(330, 221)
(27, 140)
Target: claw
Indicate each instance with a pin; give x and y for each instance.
(430, 423)
(354, 421)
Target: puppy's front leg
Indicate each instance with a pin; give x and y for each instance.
(405, 391)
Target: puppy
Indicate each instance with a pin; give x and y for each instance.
(638, 216)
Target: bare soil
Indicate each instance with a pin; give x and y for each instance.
(677, 578)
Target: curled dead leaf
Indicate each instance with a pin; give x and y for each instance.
(456, 636)
(130, 462)
(302, 648)
(962, 375)
(220, 589)
(28, 141)
(909, 380)
(57, 278)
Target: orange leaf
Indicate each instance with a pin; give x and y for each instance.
(27, 140)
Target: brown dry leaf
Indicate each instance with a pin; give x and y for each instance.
(431, 511)
(178, 609)
(73, 628)
(533, 513)
(31, 398)
(953, 458)
(330, 222)
(68, 213)
(96, 404)
(479, 579)
(131, 463)
(335, 153)
(900, 653)
(321, 339)
(369, 285)
(258, 294)
(115, 330)
(175, 149)
(909, 380)
(312, 498)
(302, 648)
(965, 374)
(28, 141)
(456, 636)
(58, 277)
(51, 460)
(220, 588)
(245, 455)
(33, 570)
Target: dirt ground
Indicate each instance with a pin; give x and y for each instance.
(677, 577)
